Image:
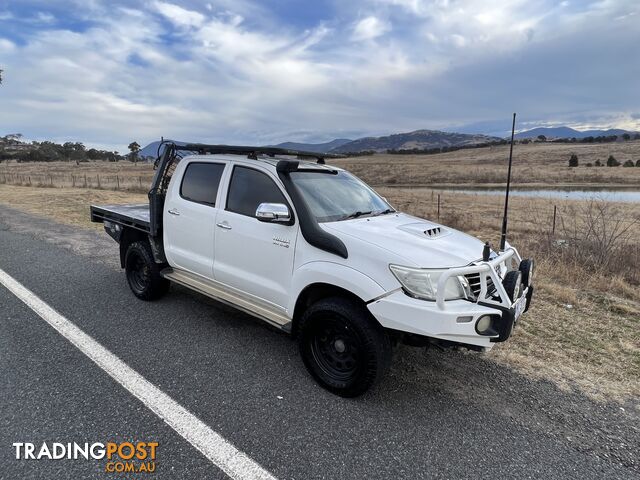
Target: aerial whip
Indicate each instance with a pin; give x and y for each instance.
(503, 236)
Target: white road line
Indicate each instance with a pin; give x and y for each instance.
(219, 451)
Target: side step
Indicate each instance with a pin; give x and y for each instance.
(231, 297)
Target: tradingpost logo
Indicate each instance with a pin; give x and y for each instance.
(123, 457)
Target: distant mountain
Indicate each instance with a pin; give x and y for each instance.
(567, 132)
(151, 150)
(420, 139)
(314, 147)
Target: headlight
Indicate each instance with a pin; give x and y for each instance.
(423, 283)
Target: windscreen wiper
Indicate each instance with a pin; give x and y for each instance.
(355, 215)
(384, 212)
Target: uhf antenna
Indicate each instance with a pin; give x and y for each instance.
(503, 236)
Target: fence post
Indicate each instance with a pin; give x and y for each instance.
(117, 182)
(438, 206)
(98, 180)
(140, 181)
(29, 180)
(553, 229)
(51, 180)
(85, 180)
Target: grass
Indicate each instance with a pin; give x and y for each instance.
(536, 164)
(583, 330)
(65, 205)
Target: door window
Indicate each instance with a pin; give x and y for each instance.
(200, 182)
(249, 188)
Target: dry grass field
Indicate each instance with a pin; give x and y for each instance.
(534, 164)
(583, 330)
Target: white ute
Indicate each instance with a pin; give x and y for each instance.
(314, 251)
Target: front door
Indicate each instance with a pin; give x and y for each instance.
(189, 218)
(253, 256)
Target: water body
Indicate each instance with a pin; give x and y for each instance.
(610, 195)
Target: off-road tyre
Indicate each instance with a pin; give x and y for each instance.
(512, 283)
(143, 273)
(343, 347)
(526, 267)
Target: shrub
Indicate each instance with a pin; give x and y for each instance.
(612, 162)
(637, 163)
(628, 163)
(573, 161)
(589, 164)
(598, 163)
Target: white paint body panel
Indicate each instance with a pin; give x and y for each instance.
(248, 258)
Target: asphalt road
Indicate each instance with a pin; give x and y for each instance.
(436, 415)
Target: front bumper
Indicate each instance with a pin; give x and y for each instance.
(456, 320)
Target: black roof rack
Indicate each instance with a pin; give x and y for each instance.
(250, 151)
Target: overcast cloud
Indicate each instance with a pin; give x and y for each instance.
(107, 72)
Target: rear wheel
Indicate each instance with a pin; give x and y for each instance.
(143, 273)
(343, 348)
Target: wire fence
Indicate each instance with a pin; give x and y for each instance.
(549, 214)
(135, 183)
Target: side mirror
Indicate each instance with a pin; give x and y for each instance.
(273, 213)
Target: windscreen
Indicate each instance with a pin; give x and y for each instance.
(333, 197)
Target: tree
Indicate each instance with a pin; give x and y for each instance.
(637, 163)
(1, 75)
(542, 138)
(628, 163)
(626, 136)
(612, 162)
(134, 147)
(573, 161)
(637, 137)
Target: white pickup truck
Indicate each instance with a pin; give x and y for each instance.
(314, 251)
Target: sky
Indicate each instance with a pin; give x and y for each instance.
(106, 72)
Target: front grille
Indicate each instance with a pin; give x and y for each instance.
(474, 284)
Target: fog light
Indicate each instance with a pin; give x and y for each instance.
(483, 325)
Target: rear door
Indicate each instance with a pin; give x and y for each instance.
(189, 217)
(253, 256)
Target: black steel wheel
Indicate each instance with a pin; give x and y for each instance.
(143, 273)
(343, 347)
(335, 349)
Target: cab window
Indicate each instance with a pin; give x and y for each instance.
(201, 181)
(249, 188)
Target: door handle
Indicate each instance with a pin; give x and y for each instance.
(173, 211)
(226, 226)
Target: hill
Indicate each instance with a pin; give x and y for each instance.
(567, 132)
(419, 139)
(314, 147)
(151, 150)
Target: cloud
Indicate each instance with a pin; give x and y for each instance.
(238, 72)
(6, 46)
(178, 15)
(369, 28)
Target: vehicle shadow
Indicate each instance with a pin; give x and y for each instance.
(456, 389)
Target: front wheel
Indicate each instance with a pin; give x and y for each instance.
(143, 273)
(343, 348)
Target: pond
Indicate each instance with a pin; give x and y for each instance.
(575, 193)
